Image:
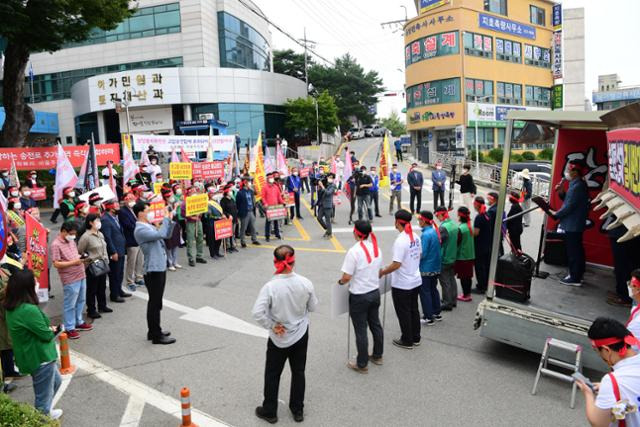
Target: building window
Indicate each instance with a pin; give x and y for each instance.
(507, 50)
(145, 22)
(537, 56)
(509, 93)
(537, 96)
(429, 47)
(241, 46)
(56, 86)
(478, 45)
(537, 15)
(480, 90)
(436, 92)
(485, 138)
(496, 6)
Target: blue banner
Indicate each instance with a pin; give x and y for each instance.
(427, 5)
(557, 17)
(501, 112)
(506, 26)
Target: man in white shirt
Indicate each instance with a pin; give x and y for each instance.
(154, 168)
(360, 269)
(283, 307)
(405, 280)
(618, 391)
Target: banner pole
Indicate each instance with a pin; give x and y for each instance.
(384, 302)
(348, 336)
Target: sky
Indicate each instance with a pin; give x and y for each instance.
(354, 26)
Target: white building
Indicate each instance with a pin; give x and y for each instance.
(175, 61)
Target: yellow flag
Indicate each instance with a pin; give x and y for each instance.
(257, 169)
(385, 163)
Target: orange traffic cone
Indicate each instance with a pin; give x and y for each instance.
(185, 398)
(65, 360)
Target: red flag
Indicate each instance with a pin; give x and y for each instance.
(184, 156)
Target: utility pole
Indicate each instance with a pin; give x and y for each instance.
(306, 62)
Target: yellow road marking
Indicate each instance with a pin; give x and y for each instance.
(303, 233)
(332, 251)
(336, 244)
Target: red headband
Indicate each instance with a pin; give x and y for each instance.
(374, 241)
(482, 208)
(407, 228)
(513, 199)
(445, 214)
(635, 282)
(629, 340)
(467, 219)
(284, 264)
(433, 224)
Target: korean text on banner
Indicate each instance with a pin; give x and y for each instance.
(223, 228)
(38, 194)
(37, 255)
(258, 172)
(289, 199)
(180, 170)
(624, 164)
(39, 158)
(275, 213)
(158, 211)
(208, 170)
(190, 143)
(197, 204)
(304, 172)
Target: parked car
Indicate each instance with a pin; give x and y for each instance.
(378, 130)
(368, 131)
(356, 133)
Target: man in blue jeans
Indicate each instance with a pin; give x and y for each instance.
(430, 264)
(360, 269)
(573, 218)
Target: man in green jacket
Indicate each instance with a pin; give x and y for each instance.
(449, 235)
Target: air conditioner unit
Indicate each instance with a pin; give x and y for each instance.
(206, 116)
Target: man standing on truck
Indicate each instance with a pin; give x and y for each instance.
(573, 217)
(617, 394)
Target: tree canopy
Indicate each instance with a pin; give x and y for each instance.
(353, 89)
(394, 125)
(44, 25)
(290, 63)
(301, 115)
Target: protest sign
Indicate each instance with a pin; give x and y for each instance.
(197, 204)
(275, 213)
(38, 194)
(37, 255)
(157, 186)
(289, 199)
(158, 211)
(180, 170)
(208, 170)
(223, 228)
(304, 172)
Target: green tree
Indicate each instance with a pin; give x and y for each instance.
(496, 154)
(546, 154)
(394, 125)
(528, 155)
(290, 63)
(43, 25)
(353, 89)
(301, 115)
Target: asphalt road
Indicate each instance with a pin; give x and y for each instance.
(455, 377)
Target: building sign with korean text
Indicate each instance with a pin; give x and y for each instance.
(556, 19)
(557, 97)
(427, 5)
(556, 67)
(154, 86)
(624, 164)
(506, 26)
(147, 120)
(431, 47)
(435, 92)
(431, 21)
(492, 115)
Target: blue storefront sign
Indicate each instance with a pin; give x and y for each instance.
(45, 122)
(506, 26)
(501, 112)
(427, 5)
(618, 95)
(557, 17)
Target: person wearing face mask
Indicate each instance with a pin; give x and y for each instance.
(214, 213)
(618, 391)
(80, 213)
(465, 255)
(65, 257)
(314, 176)
(482, 245)
(527, 192)
(134, 260)
(93, 244)
(449, 250)
(246, 204)
(573, 218)
(26, 201)
(271, 196)
(195, 233)
(178, 202)
(106, 173)
(439, 179)
(116, 249)
(154, 169)
(363, 186)
(467, 186)
(492, 212)
(396, 180)
(294, 186)
(374, 191)
(32, 180)
(95, 204)
(151, 240)
(230, 210)
(16, 223)
(430, 264)
(325, 204)
(13, 192)
(398, 146)
(415, 181)
(514, 226)
(68, 204)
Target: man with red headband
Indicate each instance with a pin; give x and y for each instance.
(573, 218)
(634, 292)
(482, 245)
(430, 264)
(360, 270)
(618, 391)
(405, 280)
(449, 238)
(466, 253)
(283, 307)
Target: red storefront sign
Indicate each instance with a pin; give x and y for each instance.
(46, 157)
(624, 164)
(223, 228)
(208, 170)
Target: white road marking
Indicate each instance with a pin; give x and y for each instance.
(66, 380)
(375, 229)
(212, 317)
(133, 412)
(140, 391)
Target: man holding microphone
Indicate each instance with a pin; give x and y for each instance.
(360, 270)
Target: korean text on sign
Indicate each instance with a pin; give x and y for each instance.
(180, 170)
(223, 228)
(208, 170)
(197, 204)
(158, 211)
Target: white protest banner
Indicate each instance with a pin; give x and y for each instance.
(339, 300)
(190, 143)
(104, 191)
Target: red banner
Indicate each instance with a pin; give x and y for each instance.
(589, 147)
(289, 199)
(208, 170)
(624, 164)
(45, 157)
(304, 172)
(158, 211)
(38, 194)
(37, 253)
(275, 213)
(223, 228)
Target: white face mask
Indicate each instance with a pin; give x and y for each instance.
(26, 193)
(630, 290)
(70, 237)
(217, 197)
(17, 205)
(567, 176)
(395, 170)
(34, 176)
(97, 225)
(373, 173)
(439, 167)
(85, 210)
(15, 193)
(179, 192)
(131, 204)
(330, 181)
(150, 216)
(5, 174)
(295, 174)
(153, 162)
(271, 180)
(72, 194)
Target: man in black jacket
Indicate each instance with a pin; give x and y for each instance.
(230, 209)
(134, 272)
(467, 186)
(116, 249)
(514, 226)
(416, 181)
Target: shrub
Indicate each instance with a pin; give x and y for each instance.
(14, 414)
(472, 156)
(528, 155)
(546, 154)
(496, 154)
(517, 158)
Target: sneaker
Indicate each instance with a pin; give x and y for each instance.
(617, 301)
(177, 265)
(401, 344)
(55, 414)
(84, 327)
(172, 268)
(568, 281)
(428, 322)
(416, 343)
(93, 315)
(140, 282)
(260, 413)
(464, 298)
(298, 417)
(437, 318)
(446, 308)
(353, 365)
(243, 244)
(256, 243)
(192, 263)
(376, 360)
(132, 287)
(73, 335)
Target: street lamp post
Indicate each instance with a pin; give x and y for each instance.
(311, 90)
(475, 100)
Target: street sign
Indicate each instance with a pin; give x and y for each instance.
(557, 97)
